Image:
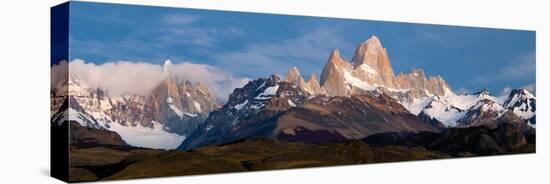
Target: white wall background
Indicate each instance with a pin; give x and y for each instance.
(24, 86)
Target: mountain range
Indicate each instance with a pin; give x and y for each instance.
(163, 119)
(428, 97)
(356, 112)
(351, 100)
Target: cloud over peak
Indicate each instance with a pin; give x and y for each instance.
(139, 78)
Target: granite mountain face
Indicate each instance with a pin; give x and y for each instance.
(371, 69)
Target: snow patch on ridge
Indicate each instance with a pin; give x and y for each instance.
(445, 113)
(268, 93)
(209, 127)
(169, 100)
(449, 109)
(238, 107)
(291, 103)
(192, 115)
(84, 120)
(138, 136)
(197, 106)
(180, 113)
(353, 81)
(370, 71)
(261, 86)
(525, 110)
(416, 106)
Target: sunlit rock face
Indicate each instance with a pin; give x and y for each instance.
(370, 69)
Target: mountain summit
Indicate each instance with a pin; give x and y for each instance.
(371, 61)
(332, 77)
(371, 69)
(312, 86)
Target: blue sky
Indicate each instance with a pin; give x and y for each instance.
(254, 45)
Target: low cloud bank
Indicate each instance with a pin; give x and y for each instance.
(126, 77)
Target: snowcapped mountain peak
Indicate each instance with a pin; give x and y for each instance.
(481, 113)
(522, 92)
(517, 97)
(479, 108)
(527, 93)
(523, 104)
(486, 105)
(256, 96)
(483, 92)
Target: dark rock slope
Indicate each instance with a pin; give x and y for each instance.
(272, 108)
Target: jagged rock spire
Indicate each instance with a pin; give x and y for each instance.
(335, 55)
(313, 78)
(168, 68)
(293, 75)
(332, 78)
(371, 66)
(314, 85)
(372, 54)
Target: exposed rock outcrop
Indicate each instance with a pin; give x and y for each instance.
(332, 78)
(371, 69)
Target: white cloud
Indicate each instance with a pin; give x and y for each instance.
(119, 78)
(532, 88)
(220, 81)
(529, 87)
(463, 91)
(179, 19)
(125, 77)
(58, 74)
(521, 68)
(506, 90)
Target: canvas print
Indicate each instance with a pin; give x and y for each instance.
(143, 91)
